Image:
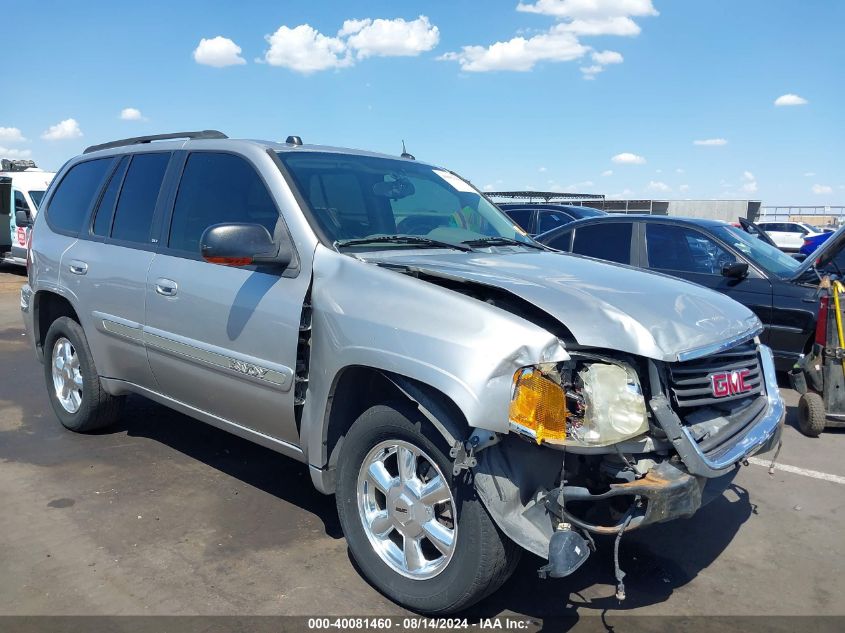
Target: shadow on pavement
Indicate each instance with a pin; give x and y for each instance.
(656, 560)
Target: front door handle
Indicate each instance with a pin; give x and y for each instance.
(77, 267)
(166, 287)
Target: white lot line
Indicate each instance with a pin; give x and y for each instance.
(798, 471)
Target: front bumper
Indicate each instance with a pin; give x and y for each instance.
(760, 437)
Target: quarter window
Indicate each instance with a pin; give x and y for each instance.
(133, 216)
(73, 198)
(609, 240)
(105, 210)
(521, 217)
(218, 188)
(681, 249)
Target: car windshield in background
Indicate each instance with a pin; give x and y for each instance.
(357, 197)
(764, 255)
(36, 197)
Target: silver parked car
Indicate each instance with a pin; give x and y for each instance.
(463, 391)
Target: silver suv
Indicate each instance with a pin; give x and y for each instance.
(465, 392)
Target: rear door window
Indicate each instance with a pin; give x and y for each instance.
(218, 188)
(75, 194)
(561, 242)
(610, 241)
(552, 219)
(680, 249)
(136, 205)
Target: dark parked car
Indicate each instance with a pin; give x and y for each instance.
(778, 288)
(542, 217)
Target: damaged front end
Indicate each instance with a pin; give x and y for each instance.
(616, 452)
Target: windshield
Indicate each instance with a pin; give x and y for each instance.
(36, 197)
(356, 197)
(764, 255)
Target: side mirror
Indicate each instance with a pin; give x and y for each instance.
(22, 218)
(737, 270)
(242, 245)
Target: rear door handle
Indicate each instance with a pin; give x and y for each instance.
(166, 287)
(77, 267)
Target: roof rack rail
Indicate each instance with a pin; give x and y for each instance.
(135, 140)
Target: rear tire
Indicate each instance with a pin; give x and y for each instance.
(479, 559)
(73, 384)
(811, 414)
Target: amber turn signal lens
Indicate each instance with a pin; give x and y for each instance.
(539, 405)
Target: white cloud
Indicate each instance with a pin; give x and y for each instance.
(575, 186)
(11, 135)
(542, 169)
(627, 158)
(711, 142)
(623, 194)
(390, 38)
(749, 184)
(679, 171)
(601, 60)
(656, 185)
(218, 52)
(519, 53)
(66, 129)
(489, 188)
(131, 114)
(560, 43)
(607, 57)
(810, 174)
(790, 99)
(683, 188)
(7, 152)
(821, 189)
(589, 8)
(306, 50)
(607, 172)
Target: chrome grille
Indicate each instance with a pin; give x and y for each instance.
(690, 382)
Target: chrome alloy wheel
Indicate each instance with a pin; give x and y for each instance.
(67, 378)
(407, 509)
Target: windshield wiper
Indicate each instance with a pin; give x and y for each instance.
(415, 240)
(498, 240)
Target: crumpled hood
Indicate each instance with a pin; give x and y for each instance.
(603, 305)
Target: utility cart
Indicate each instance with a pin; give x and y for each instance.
(820, 375)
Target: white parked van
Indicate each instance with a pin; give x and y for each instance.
(22, 185)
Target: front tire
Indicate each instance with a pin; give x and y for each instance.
(422, 537)
(73, 384)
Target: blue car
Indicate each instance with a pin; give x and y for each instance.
(812, 243)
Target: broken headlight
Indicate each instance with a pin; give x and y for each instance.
(591, 404)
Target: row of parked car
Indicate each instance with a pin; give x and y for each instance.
(742, 261)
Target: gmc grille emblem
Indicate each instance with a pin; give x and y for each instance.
(729, 383)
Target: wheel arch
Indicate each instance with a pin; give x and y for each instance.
(47, 306)
(357, 388)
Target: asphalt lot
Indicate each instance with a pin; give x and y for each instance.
(165, 515)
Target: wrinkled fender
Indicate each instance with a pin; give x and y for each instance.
(366, 315)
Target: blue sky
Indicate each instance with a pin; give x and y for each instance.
(605, 96)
